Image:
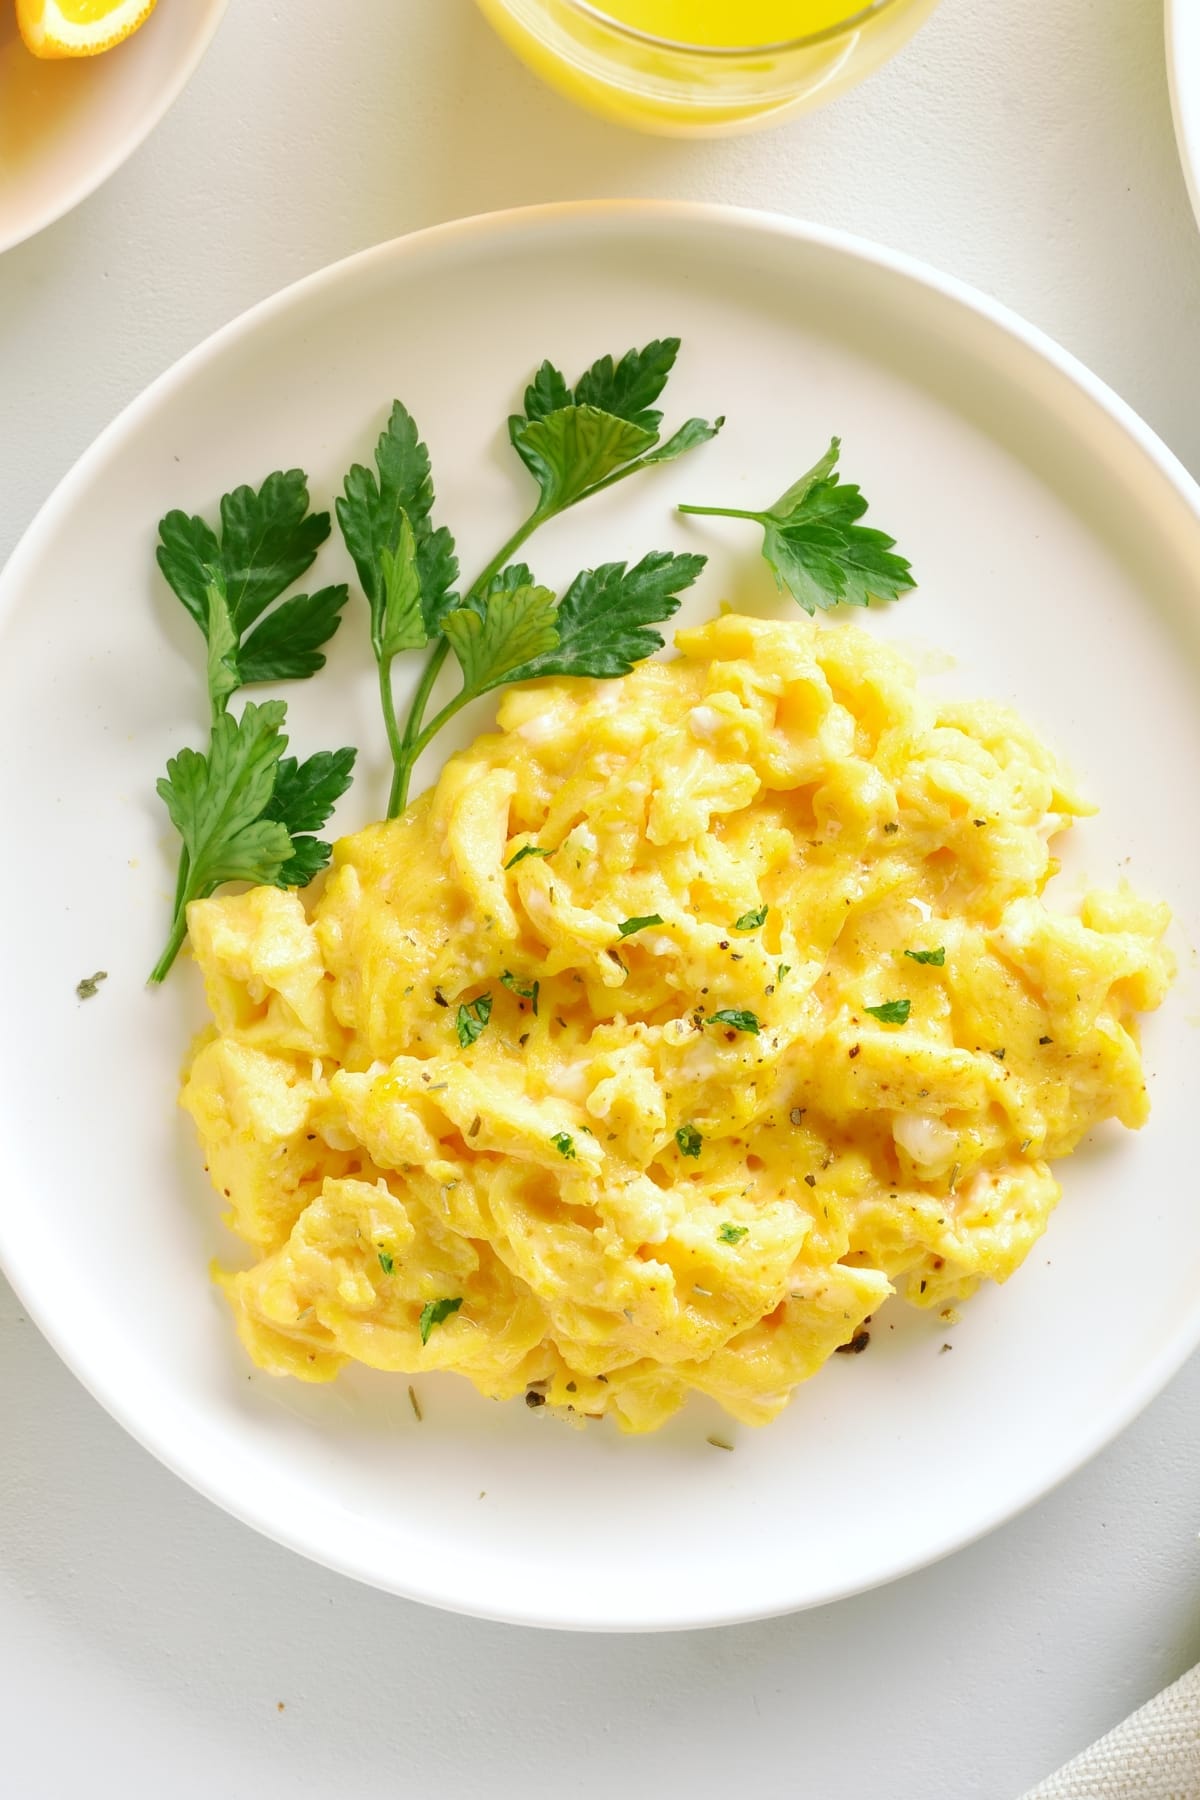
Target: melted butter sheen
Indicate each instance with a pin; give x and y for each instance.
(372, 1165)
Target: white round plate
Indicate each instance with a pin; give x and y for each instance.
(1183, 71)
(67, 126)
(1058, 548)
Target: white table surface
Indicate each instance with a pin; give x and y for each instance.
(147, 1642)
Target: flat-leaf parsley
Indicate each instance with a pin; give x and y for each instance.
(891, 1012)
(689, 1140)
(244, 811)
(738, 1020)
(436, 1312)
(471, 1020)
(816, 546)
(506, 627)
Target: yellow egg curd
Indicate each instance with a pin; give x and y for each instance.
(683, 1019)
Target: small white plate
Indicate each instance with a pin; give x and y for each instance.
(1058, 548)
(67, 126)
(1183, 72)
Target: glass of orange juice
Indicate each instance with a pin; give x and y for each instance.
(688, 67)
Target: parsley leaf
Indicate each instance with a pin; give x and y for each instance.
(524, 851)
(740, 1021)
(243, 810)
(398, 618)
(286, 645)
(222, 805)
(629, 388)
(750, 921)
(436, 1312)
(268, 539)
(305, 793)
(510, 627)
(374, 509)
(574, 442)
(733, 1234)
(530, 993)
(691, 434)
(689, 1140)
(304, 796)
(407, 566)
(310, 855)
(605, 619)
(564, 1143)
(627, 927)
(935, 958)
(508, 580)
(548, 392)
(891, 1012)
(572, 451)
(471, 1020)
(217, 802)
(816, 546)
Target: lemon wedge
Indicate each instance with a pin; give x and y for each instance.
(56, 28)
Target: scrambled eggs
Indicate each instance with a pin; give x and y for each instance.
(685, 1016)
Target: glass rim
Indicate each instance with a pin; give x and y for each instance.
(826, 35)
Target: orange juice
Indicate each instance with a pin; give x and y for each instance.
(703, 66)
(716, 24)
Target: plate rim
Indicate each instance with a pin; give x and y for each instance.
(1181, 23)
(1180, 1343)
(106, 166)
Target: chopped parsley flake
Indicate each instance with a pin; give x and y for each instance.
(733, 1234)
(740, 1021)
(689, 1140)
(781, 971)
(472, 1020)
(530, 993)
(523, 852)
(891, 1012)
(89, 987)
(935, 958)
(434, 1312)
(386, 1263)
(627, 927)
(751, 921)
(564, 1143)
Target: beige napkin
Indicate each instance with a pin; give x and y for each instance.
(1154, 1755)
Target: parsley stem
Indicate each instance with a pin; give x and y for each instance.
(520, 536)
(406, 755)
(461, 699)
(174, 945)
(181, 880)
(392, 726)
(722, 512)
(407, 749)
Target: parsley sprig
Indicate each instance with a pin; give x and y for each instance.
(244, 810)
(816, 546)
(506, 627)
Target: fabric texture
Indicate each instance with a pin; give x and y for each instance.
(1154, 1755)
